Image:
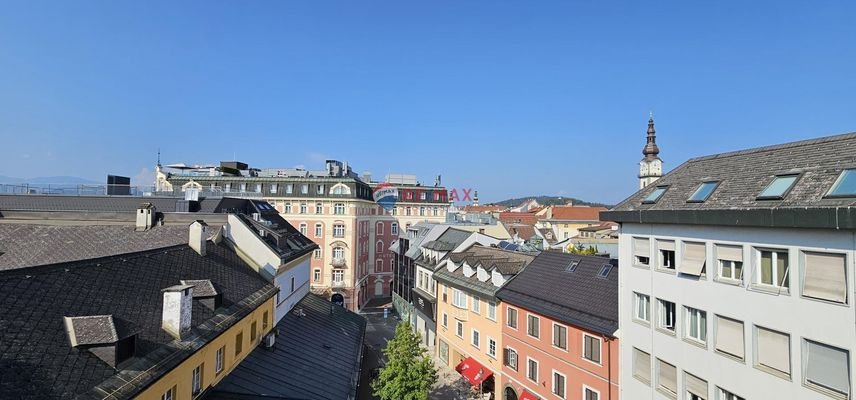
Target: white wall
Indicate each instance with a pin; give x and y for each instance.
(789, 313)
(251, 245)
(287, 298)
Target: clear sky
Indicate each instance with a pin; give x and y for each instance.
(510, 98)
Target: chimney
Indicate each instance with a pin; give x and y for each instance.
(177, 307)
(145, 216)
(198, 236)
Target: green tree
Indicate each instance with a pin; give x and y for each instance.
(409, 371)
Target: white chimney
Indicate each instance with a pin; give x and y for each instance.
(177, 308)
(198, 236)
(145, 216)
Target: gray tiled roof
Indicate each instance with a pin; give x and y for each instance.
(315, 356)
(36, 358)
(506, 263)
(26, 245)
(578, 298)
(34, 202)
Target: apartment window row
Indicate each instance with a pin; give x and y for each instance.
(558, 380)
(591, 345)
(820, 275)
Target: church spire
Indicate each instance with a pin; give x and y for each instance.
(650, 151)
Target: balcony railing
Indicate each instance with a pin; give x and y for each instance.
(338, 262)
(338, 284)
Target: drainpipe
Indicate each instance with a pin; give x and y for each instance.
(609, 367)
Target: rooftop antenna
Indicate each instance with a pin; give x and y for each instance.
(159, 162)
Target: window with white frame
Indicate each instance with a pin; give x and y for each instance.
(666, 253)
(722, 394)
(591, 348)
(475, 336)
(435, 211)
(510, 358)
(491, 310)
(421, 211)
(379, 265)
(303, 229)
(641, 307)
(532, 369)
(338, 276)
(825, 277)
(641, 252)
(319, 208)
(558, 384)
(303, 208)
(729, 337)
(445, 320)
(422, 196)
(773, 351)
(476, 304)
(320, 189)
(316, 275)
(459, 298)
(459, 329)
(169, 394)
(273, 187)
(826, 368)
(319, 230)
(533, 327)
(243, 187)
(339, 208)
(317, 253)
(730, 262)
(338, 253)
(394, 228)
(339, 230)
(642, 365)
(667, 379)
(560, 336)
(288, 207)
(772, 269)
(491, 347)
(289, 188)
(666, 315)
(304, 189)
(196, 380)
(590, 394)
(511, 317)
(218, 360)
(696, 325)
(695, 387)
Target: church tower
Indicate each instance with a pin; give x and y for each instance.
(651, 167)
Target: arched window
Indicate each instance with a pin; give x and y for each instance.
(379, 266)
(339, 209)
(340, 189)
(319, 208)
(379, 246)
(379, 229)
(393, 228)
(288, 207)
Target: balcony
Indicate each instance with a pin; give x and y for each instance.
(338, 284)
(338, 263)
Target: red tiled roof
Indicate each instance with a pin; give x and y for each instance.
(574, 213)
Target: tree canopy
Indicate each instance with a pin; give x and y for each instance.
(409, 371)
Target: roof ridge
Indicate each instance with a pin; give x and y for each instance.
(82, 263)
(761, 149)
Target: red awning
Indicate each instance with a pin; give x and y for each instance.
(528, 396)
(473, 371)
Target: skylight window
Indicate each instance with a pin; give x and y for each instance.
(779, 187)
(655, 195)
(845, 185)
(703, 192)
(604, 271)
(573, 266)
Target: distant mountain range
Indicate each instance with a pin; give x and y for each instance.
(45, 180)
(551, 201)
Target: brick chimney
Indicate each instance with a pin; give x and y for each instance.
(177, 308)
(198, 236)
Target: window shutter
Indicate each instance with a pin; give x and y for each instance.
(505, 357)
(729, 336)
(696, 386)
(828, 367)
(642, 365)
(641, 247)
(774, 350)
(729, 253)
(693, 258)
(825, 277)
(667, 376)
(666, 245)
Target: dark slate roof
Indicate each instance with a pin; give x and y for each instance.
(91, 329)
(505, 262)
(280, 236)
(36, 202)
(26, 245)
(578, 298)
(201, 287)
(448, 241)
(317, 355)
(36, 358)
(743, 175)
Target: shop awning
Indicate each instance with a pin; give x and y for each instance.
(473, 371)
(528, 396)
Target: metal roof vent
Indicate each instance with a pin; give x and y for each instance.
(99, 335)
(204, 291)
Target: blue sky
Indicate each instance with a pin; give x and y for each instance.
(509, 98)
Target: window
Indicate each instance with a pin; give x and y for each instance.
(459, 329)
(239, 343)
(319, 230)
(320, 189)
(532, 326)
(435, 211)
(773, 351)
(218, 360)
(379, 266)
(511, 358)
(730, 260)
(693, 259)
(558, 384)
(641, 365)
(422, 211)
(304, 189)
(722, 394)
(772, 269)
(303, 208)
(394, 228)
(667, 254)
(696, 387)
(379, 228)
(667, 379)
(316, 275)
(655, 195)
(243, 187)
(476, 304)
(444, 351)
(303, 229)
(825, 277)
(826, 368)
(339, 208)
(288, 208)
(254, 331)
(491, 347)
(445, 320)
(379, 246)
(339, 230)
(319, 208)
(196, 380)
(591, 348)
(265, 319)
(258, 188)
(703, 192)
(590, 394)
(779, 187)
(532, 370)
(642, 307)
(511, 318)
(666, 315)
(491, 310)
(845, 185)
(338, 276)
(641, 252)
(273, 187)
(459, 298)
(696, 324)
(475, 338)
(407, 211)
(289, 188)
(338, 253)
(729, 337)
(560, 336)
(169, 394)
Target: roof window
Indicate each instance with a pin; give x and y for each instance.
(655, 195)
(845, 185)
(779, 187)
(703, 192)
(573, 266)
(604, 271)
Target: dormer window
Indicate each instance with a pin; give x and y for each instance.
(703, 192)
(779, 187)
(845, 185)
(655, 195)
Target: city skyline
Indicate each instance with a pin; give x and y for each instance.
(513, 100)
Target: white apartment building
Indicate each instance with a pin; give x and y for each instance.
(740, 272)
